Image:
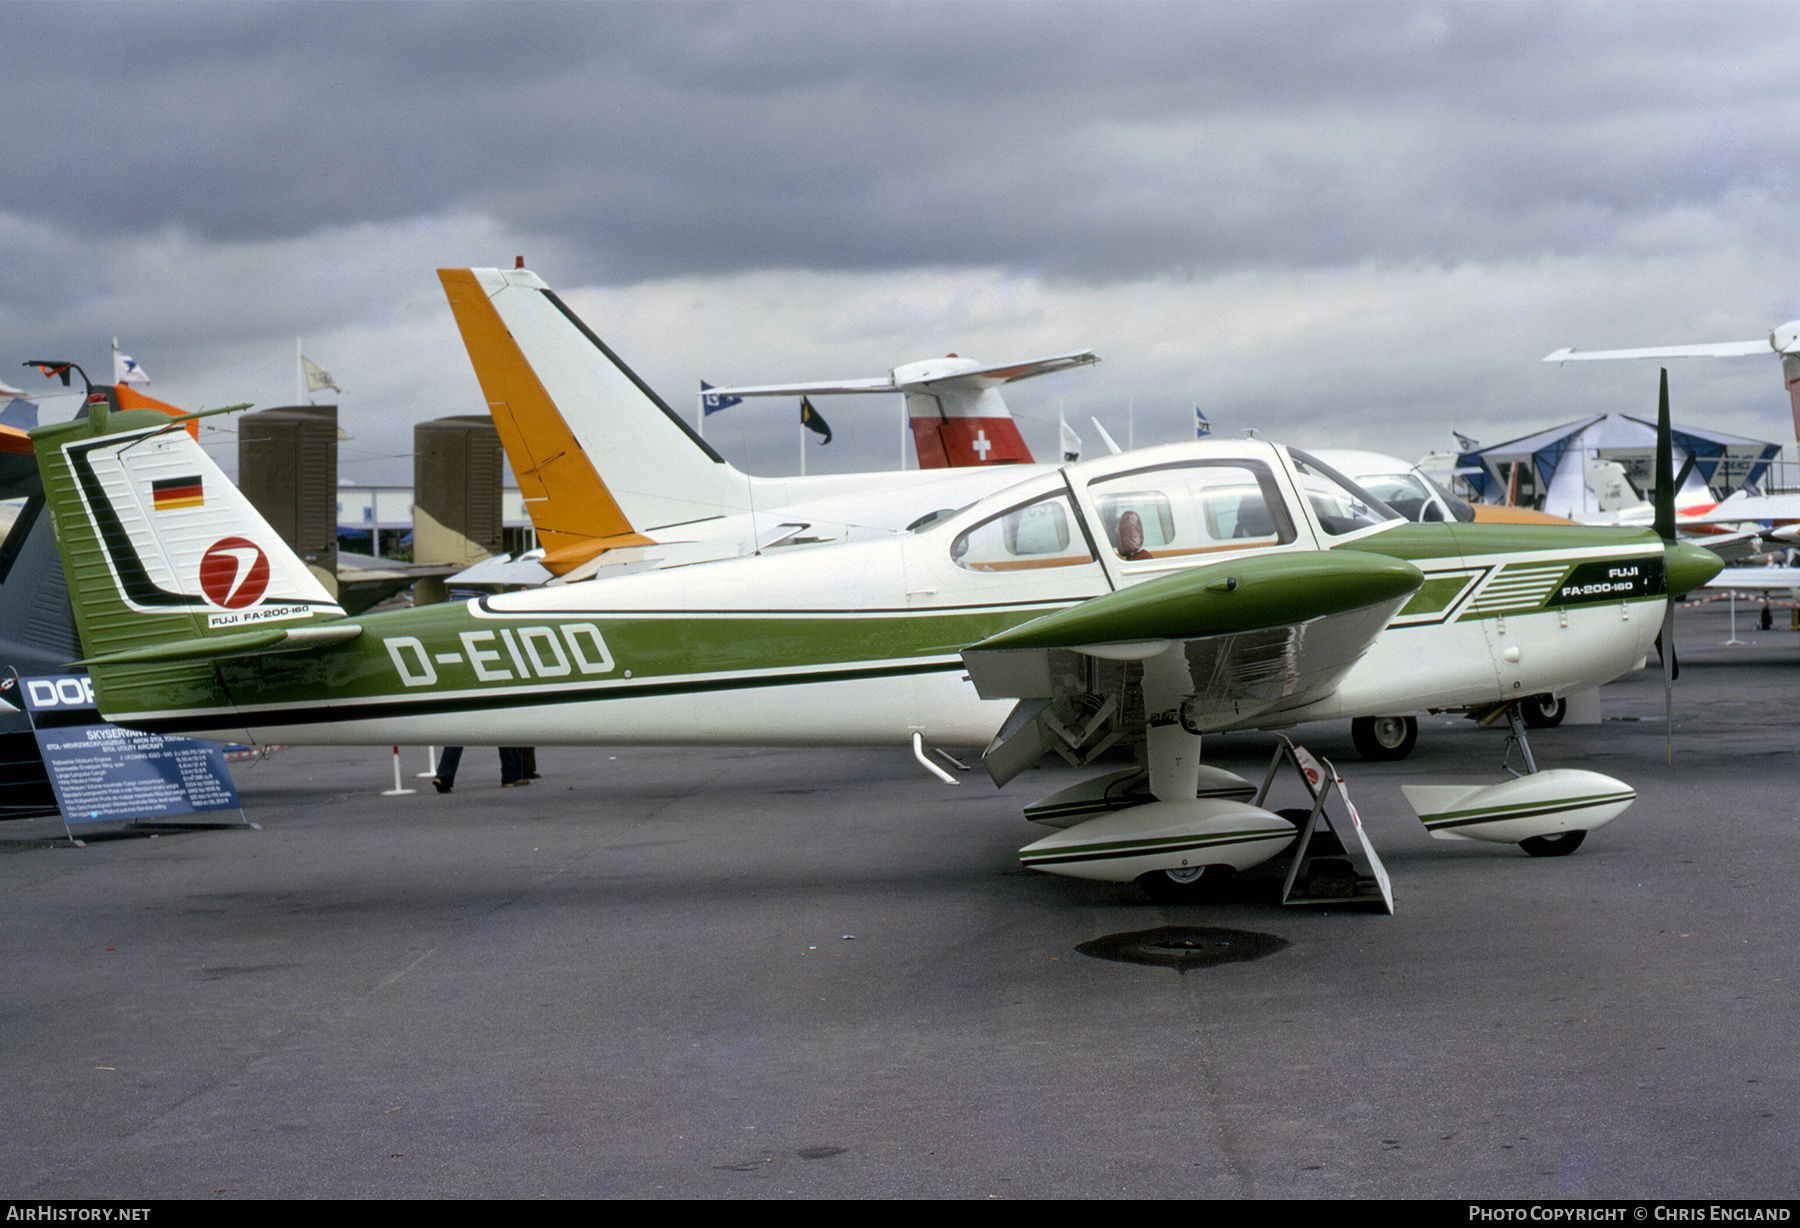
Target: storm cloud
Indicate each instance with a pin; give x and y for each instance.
(1338, 223)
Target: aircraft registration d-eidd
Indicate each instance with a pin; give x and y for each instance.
(1151, 597)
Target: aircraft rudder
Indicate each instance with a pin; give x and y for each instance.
(581, 420)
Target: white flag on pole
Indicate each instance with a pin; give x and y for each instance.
(317, 377)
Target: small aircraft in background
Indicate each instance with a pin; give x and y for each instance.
(1148, 598)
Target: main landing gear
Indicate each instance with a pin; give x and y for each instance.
(1544, 711)
(1383, 739)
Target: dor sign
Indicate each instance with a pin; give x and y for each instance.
(102, 773)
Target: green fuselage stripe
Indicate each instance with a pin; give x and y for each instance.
(427, 704)
(1116, 850)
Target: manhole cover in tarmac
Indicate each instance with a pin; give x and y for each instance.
(1184, 946)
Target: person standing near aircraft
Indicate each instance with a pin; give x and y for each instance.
(513, 767)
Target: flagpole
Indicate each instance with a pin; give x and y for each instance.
(803, 438)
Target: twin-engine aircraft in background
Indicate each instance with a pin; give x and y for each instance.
(615, 479)
(1148, 598)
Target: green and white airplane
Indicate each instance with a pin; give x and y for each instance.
(1150, 597)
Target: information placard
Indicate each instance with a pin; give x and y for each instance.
(105, 774)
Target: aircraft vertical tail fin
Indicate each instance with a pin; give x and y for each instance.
(160, 548)
(1790, 376)
(954, 428)
(957, 415)
(600, 458)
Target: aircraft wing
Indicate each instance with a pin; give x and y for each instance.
(821, 388)
(1756, 579)
(1217, 647)
(1742, 507)
(1714, 349)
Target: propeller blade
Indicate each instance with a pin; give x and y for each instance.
(1665, 465)
(1665, 529)
(1670, 671)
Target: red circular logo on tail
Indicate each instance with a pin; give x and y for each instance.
(234, 573)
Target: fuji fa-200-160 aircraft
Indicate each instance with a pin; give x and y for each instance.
(1152, 597)
(614, 479)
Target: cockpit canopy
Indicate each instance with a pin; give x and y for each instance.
(1182, 502)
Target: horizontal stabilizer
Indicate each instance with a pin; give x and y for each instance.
(1715, 349)
(930, 374)
(238, 644)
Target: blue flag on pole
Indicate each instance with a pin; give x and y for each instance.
(713, 404)
(1202, 428)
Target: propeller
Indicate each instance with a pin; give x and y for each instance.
(1664, 501)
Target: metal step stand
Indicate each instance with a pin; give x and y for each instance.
(1351, 873)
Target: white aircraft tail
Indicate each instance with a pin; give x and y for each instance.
(600, 458)
(159, 545)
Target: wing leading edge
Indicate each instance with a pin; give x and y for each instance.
(1214, 647)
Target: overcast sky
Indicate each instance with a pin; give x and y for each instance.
(1339, 224)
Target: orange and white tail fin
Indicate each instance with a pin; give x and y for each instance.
(601, 460)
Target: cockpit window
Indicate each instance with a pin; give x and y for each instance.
(1176, 510)
(1406, 493)
(1340, 505)
(933, 519)
(1042, 533)
(1459, 508)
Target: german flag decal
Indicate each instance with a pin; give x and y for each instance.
(170, 493)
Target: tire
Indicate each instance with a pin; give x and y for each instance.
(1544, 711)
(1559, 844)
(1382, 739)
(1195, 885)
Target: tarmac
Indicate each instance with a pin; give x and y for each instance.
(772, 973)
